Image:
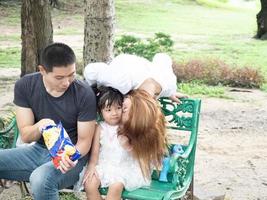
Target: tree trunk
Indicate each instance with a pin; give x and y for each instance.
(98, 31)
(36, 32)
(262, 21)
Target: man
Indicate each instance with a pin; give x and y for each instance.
(127, 72)
(50, 96)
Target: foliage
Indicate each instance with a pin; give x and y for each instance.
(216, 72)
(147, 48)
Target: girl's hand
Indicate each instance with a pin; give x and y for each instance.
(90, 172)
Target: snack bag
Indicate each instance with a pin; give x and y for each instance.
(59, 144)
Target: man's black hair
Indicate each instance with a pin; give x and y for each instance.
(106, 96)
(57, 55)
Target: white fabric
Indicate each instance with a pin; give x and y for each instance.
(115, 163)
(127, 72)
(20, 143)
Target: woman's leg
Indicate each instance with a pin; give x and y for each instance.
(91, 189)
(114, 191)
(46, 180)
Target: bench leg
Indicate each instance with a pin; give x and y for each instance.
(191, 189)
(24, 189)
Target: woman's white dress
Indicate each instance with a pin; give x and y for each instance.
(127, 72)
(115, 163)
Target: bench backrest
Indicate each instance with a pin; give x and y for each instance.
(183, 119)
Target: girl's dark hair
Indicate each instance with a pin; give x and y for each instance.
(106, 96)
(57, 55)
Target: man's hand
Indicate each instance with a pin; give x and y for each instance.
(29, 130)
(66, 164)
(176, 97)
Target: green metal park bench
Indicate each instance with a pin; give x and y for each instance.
(8, 130)
(8, 138)
(182, 119)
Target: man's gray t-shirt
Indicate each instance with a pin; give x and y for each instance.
(76, 104)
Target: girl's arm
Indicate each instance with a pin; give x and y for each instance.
(94, 155)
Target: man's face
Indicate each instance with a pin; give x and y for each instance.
(59, 79)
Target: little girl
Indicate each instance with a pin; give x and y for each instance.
(113, 162)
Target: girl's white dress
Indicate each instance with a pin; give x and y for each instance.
(115, 163)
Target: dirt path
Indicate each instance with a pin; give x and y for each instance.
(231, 155)
(232, 145)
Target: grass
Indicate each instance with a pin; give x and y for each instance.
(198, 31)
(199, 90)
(10, 38)
(10, 14)
(264, 87)
(63, 196)
(10, 57)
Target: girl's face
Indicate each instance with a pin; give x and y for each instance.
(112, 115)
(126, 109)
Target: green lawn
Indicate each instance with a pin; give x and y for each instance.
(198, 31)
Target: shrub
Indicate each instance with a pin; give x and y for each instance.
(146, 48)
(246, 77)
(217, 72)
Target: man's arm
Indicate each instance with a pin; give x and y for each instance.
(85, 135)
(29, 131)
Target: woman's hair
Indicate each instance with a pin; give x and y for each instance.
(106, 96)
(145, 129)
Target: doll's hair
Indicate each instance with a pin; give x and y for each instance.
(146, 129)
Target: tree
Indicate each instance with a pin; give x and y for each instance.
(98, 30)
(262, 21)
(36, 32)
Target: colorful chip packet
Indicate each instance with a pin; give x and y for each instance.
(59, 144)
